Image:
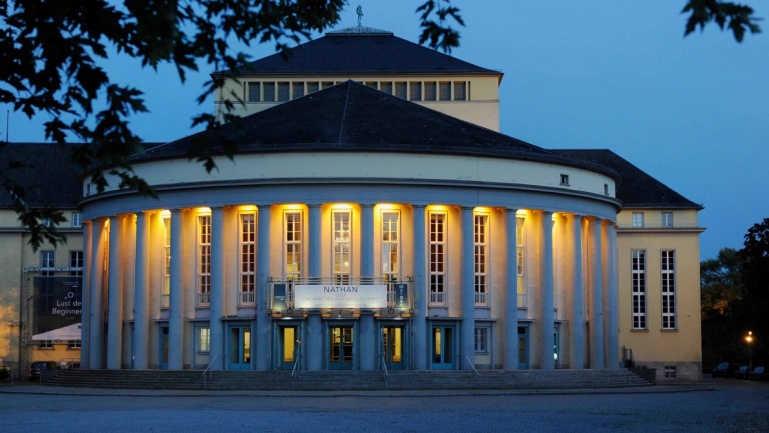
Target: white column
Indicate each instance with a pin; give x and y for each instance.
(313, 348)
(141, 291)
(596, 299)
(96, 326)
(262, 334)
(85, 307)
(176, 301)
(216, 307)
(315, 235)
(367, 242)
(511, 291)
(613, 355)
(576, 315)
(467, 289)
(546, 275)
(419, 320)
(115, 294)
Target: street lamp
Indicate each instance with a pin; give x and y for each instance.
(749, 339)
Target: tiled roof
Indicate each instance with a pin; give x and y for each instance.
(353, 117)
(370, 52)
(636, 189)
(45, 169)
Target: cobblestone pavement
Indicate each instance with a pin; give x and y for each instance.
(722, 405)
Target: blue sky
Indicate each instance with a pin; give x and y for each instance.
(692, 112)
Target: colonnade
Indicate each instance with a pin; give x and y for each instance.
(571, 265)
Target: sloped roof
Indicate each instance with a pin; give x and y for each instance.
(45, 169)
(353, 117)
(637, 189)
(361, 52)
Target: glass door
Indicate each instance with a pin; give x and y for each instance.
(289, 346)
(163, 348)
(240, 348)
(443, 348)
(523, 348)
(341, 347)
(393, 346)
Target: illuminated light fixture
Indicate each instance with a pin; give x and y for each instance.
(437, 207)
(521, 212)
(481, 209)
(341, 206)
(165, 213)
(386, 206)
(204, 210)
(292, 206)
(247, 208)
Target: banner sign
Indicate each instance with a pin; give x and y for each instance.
(320, 296)
(279, 297)
(401, 296)
(57, 307)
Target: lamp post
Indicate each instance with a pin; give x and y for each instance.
(749, 339)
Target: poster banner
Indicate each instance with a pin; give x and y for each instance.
(320, 296)
(56, 308)
(402, 296)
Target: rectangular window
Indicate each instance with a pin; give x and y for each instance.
(481, 340)
(437, 258)
(564, 179)
(444, 91)
(269, 92)
(47, 260)
(297, 88)
(73, 344)
(204, 260)
(247, 258)
(204, 340)
(45, 344)
(670, 372)
(165, 290)
(341, 244)
(481, 245)
(283, 91)
(77, 219)
(76, 263)
(390, 251)
(638, 219)
(293, 244)
(372, 84)
(431, 91)
(326, 84)
(638, 275)
(415, 91)
(254, 92)
(312, 86)
(400, 90)
(386, 87)
(460, 91)
(668, 269)
(667, 219)
(519, 262)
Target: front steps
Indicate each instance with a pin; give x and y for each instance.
(330, 380)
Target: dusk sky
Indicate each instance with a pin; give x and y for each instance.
(692, 112)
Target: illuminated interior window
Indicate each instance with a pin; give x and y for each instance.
(341, 246)
(437, 244)
(247, 258)
(293, 244)
(519, 252)
(165, 290)
(204, 260)
(481, 249)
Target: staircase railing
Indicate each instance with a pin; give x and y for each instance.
(384, 370)
(295, 371)
(209, 370)
(474, 370)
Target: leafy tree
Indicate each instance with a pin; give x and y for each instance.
(755, 258)
(52, 52)
(721, 301)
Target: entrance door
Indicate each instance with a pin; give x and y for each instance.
(163, 348)
(393, 345)
(289, 345)
(341, 347)
(443, 348)
(240, 348)
(523, 347)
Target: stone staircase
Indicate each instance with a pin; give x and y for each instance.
(329, 380)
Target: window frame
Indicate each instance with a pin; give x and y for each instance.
(203, 261)
(481, 258)
(639, 290)
(438, 257)
(247, 258)
(668, 293)
(341, 245)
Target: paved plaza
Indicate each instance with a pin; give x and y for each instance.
(722, 405)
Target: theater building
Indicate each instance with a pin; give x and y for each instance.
(374, 218)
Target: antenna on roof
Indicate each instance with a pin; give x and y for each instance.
(359, 11)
